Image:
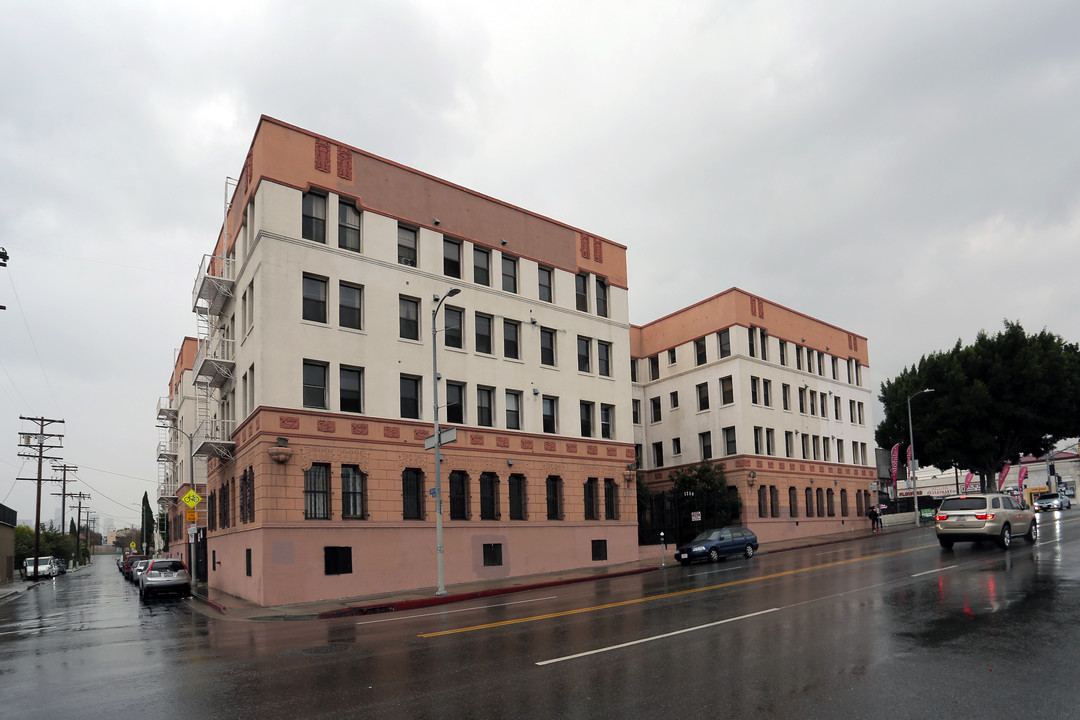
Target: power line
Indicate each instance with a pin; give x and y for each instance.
(110, 472)
(117, 502)
(33, 344)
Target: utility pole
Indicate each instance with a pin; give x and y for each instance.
(36, 444)
(80, 497)
(64, 470)
(3, 263)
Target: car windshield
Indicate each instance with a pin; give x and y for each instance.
(707, 535)
(166, 566)
(1048, 496)
(963, 503)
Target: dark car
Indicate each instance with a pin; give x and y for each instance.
(715, 544)
(128, 562)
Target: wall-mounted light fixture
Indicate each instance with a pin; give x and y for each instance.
(509, 463)
(535, 391)
(437, 221)
(502, 241)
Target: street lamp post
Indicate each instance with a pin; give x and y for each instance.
(914, 462)
(438, 441)
(191, 472)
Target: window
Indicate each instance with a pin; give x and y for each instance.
(762, 501)
(453, 327)
(455, 402)
(809, 502)
(835, 368)
(410, 397)
(751, 335)
(654, 409)
(607, 418)
(481, 267)
(813, 402)
(484, 410)
(635, 406)
(459, 495)
(550, 408)
(789, 444)
(727, 391)
(611, 499)
(802, 400)
(412, 494)
(350, 306)
(483, 333)
(314, 384)
(586, 419)
(451, 261)
(703, 396)
(839, 450)
(825, 449)
(406, 246)
(513, 410)
(352, 492)
(798, 358)
(544, 283)
(674, 399)
(601, 298)
(581, 287)
(805, 446)
(603, 358)
(817, 447)
(351, 391)
(754, 383)
(844, 502)
(337, 560)
(314, 217)
(824, 406)
(851, 411)
(671, 356)
(809, 360)
(759, 436)
(785, 395)
(408, 318)
(774, 501)
(793, 502)
(348, 226)
(821, 364)
(599, 550)
(729, 441)
(658, 454)
(831, 502)
(860, 407)
(584, 354)
(783, 357)
(837, 408)
(489, 496)
(700, 356)
(518, 503)
(492, 554)
(723, 343)
(705, 442)
(654, 367)
(553, 487)
(511, 333)
(820, 502)
(766, 393)
(591, 498)
(676, 446)
(547, 347)
(509, 274)
(314, 299)
(317, 492)
(764, 336)
(770, 442)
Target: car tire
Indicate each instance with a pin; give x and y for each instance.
(945, 544)
(1005, 538)
(1033, 532)
(714, 555)
(748, 551)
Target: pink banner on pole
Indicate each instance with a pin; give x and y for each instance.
(895, 461)
(967, 481)
(1022, 477)
(1004, 474)
(910, 472)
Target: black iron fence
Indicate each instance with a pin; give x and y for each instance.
(681, 516)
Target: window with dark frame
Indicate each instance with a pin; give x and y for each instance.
(451, 258)
(599, 550)
(518, 503)
(700, 355)
(482, 266)
(317, 492)
(348, 226)
(586, 419)
(727, 391)
(511, 334)
(705, 441)
(352, 492)
(314, 384)
(611, 499)
(337, 560)
(550, 413)
(584, 354)
(484, 406)
(453, 325)
(723, 343)
(591, 498)
(407, 254)
(455, 402)
(412, 494)
(729, 441)
(607, 419)
(410, 397)
(547, 347)
(489, 496)
(513, 410)
(553, 490)
(483, 333)
(654, 367)
(601, 297)
(459, 495)
(581, 291)
(544, 276)
(703, 396)
(314, 305)
(603, 359)
(492, 554)
(793, 502)
(408, 318)
(314, 223)
(509, 274)
(350, 306)
(351, 391)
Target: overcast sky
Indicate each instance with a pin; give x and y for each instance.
(909, 171)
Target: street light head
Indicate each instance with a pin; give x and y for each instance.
(452, 292)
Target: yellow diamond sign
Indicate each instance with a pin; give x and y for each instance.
(192, 499)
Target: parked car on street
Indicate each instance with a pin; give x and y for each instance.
(164, 575)
(1052, 501)
(137, 569)
(128, 562)
(719, 543)
(47, 566)
(976, 517)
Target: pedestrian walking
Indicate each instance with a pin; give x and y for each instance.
(874, 515)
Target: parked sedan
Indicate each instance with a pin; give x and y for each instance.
(137, 569)
(715, 544)
(164, 575)
(1052, 501)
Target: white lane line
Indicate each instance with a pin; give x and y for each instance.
(655, 637)
(931, 572)
(447, 612)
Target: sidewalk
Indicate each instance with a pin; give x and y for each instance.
(236, 608)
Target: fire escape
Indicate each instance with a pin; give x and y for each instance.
(167, 447)
(215, 362)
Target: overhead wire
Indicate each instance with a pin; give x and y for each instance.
(33, 344)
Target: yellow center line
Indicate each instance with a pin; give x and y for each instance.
(664, 596)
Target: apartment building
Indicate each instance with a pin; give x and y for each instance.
(337, 281)
(779, 399)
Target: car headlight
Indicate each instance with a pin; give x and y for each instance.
(699, 548)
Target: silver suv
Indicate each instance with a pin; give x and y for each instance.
(983, 516)
(164, 575)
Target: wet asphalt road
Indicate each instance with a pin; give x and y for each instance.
(883, 627)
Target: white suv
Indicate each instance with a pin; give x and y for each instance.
(983, 516)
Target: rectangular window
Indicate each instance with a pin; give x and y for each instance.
(517, 497)
(314, 384)
(705, 443)
(607, 420)
(511, 333)
(851, 411)
(352, 492)
(764, 337)
(553, 488)
(459, 495)
(658, 454)
(544, 283)
(789, 444)
(513, 410)
(412, 494)
(317, 492)
(654, 367)
(586, 419)
(785, 395)
(770, 442)
(671, 356)
(550, 408)
(766, 393)
(247, 559)
(453, 326)
(751, 335)
(483, 333)
(825, 449)
(703, 396)
(599, 550)
(835, 368)
(348, 226)
(700, 356)
(676, 446)
(591, 497)
(408, 318)
(839, 450)
(809, 360)
(337, 560)
(482, 267)
(635, 409)
(581, 292)
(547, 347)
(314, 226)
(451, 258)
(455, 402)
(611, 499)
(805, 446)
(654, 409)
(484, 409)
(816, 442)
(783, 353)
(729, 441)
(759, 439)
(802, 400)
(601, 298)
(350, 306)
(821, 364)
(492, 554)
(584, 354)
(633, 370)
(861, 421)
(351, 391)
(813, 402)
(410, 397)
(603, 359)
(406, 246)
(837, 408)
(754, 383)
(509, 274)
(674, 399)
(314, 299)
(727, 391)
(798, 357)
(723, 343)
